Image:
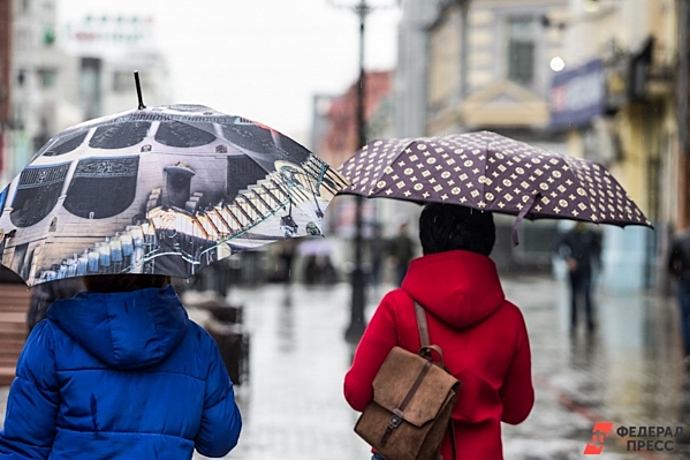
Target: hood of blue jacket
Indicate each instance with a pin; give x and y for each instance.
(125, 330)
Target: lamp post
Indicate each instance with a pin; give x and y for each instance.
(356, 327)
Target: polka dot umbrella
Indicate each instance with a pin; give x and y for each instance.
(489, 172)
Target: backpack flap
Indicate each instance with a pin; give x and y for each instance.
(399, 373)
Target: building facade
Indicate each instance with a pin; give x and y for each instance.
(60, 75)
(489, 67)
(5, 75)
(605, 80)
(617, 103)
(34, 63)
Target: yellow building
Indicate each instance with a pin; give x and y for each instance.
(587, 78)
(635, 132)
(490, 66)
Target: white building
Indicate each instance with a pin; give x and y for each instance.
(65, 74)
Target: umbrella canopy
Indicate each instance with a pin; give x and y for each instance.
(162, 190)
(489, 172)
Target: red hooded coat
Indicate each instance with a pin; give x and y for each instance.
(484, 341)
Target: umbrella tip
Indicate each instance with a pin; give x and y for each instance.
(138, 86)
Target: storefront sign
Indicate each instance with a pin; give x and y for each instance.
(578, 95)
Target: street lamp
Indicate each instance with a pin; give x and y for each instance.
(356, 327)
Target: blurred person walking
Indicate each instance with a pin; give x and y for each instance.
(483, 335)
(43, 296)
(679, 267)
(377, 254)
(401, 250)
(581, 249)
(120, 372)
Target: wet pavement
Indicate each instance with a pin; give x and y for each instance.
(628, 372)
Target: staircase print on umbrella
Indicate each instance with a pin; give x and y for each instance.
(162, 190)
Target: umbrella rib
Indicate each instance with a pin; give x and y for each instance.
(324, 170)
(319, 172)
(486, 170)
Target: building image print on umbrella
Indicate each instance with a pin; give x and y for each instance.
(163, 190)
(489, 172)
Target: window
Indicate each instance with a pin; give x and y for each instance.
(123, 81)
(47, 77)
(521, 49)
(90, 87)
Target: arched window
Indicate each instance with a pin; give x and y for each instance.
(119, 135)
(296, 152)
(37, 193)
(185, 134)
(242, 170)
(249, 136)
(96, 178)
(63, 143)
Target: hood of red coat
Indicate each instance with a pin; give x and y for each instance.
(461, 288)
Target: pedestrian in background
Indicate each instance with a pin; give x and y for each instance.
(120, 372)
(401, 250)
(43, 296)
(679, 267)
(581, 249)
(483, 336)
(377, 254)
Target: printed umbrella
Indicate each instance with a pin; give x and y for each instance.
(161, 190)
(490, 172)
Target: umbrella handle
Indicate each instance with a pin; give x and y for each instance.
(521, 215)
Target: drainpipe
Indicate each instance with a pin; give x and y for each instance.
(464, 51)
(682, 97)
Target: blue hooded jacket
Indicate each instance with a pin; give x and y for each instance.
(120, 376)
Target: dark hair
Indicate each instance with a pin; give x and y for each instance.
(124, 283)
(446, 227)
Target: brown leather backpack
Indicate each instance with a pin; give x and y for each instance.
(413, 401)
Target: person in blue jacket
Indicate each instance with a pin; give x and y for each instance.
(120, 372)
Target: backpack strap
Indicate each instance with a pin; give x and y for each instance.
(423, 328)
(422, 324)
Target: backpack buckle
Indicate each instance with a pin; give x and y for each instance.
(396, 419)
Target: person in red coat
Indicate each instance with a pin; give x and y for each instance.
(483, 336)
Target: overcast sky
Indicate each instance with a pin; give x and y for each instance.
(262, 59)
